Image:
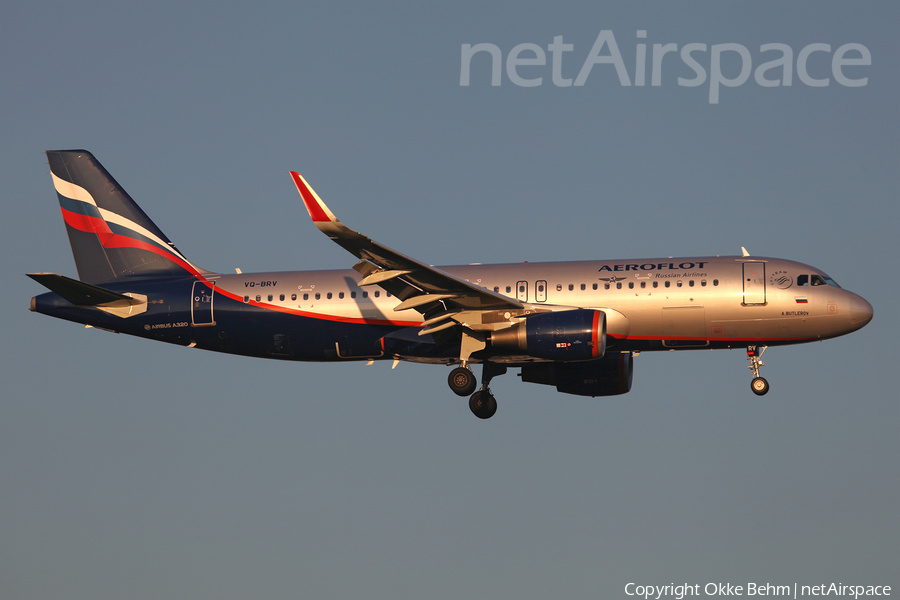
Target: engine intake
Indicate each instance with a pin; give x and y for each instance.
(567, 336)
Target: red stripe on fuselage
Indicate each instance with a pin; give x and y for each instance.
(111, 240)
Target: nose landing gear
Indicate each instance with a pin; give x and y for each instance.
(759, 385)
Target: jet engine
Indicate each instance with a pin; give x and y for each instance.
(607, 376)
(571, 335)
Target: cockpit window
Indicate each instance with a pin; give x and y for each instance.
(803, 280)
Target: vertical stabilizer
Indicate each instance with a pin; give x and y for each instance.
(110, 235)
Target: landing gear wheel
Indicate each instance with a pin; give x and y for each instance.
(759, 386)
(462, 381)
(483, 405)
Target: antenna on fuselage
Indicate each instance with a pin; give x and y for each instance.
(744, 252)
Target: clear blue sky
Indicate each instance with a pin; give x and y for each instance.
(137, 470)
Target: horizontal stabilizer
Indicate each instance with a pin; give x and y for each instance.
(80, 293)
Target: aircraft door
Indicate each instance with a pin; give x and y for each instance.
(754, 283)
(540, 291)
(202, 304)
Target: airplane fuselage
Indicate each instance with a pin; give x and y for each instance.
(650, 304)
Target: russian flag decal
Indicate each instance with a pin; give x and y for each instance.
(801, 300)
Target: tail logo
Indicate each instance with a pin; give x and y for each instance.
(80, 211)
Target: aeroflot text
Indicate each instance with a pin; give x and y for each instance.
(777, 70)
(680, 591)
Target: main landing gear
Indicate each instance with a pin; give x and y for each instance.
(759, 385)
(462, 381)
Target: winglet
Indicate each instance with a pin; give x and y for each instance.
(318, 212)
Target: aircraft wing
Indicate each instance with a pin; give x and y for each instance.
(433, 293)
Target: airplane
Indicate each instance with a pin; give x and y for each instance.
(576, 326)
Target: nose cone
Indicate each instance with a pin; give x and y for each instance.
(860, 311)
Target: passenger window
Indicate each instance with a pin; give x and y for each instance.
(353, 294)
(508, 289)
(306, 296)
(558, 287)
(668, 283)
(595, 286)
(678, 283)
(365, 294)
(643, 284)
(691, 283)
(246, 298)
(341, 295)
(318, 296)
(377, 294)
(619, 286)
(655, 284)
(293, 297)
(258, 298)
(703, 283)
(583, 287)
(605, 286)
(630, 285)
(270, 297)
(571, 287)
(802, 279)
(715, 282)
(281, 298)
(328, 296)
(497, 289)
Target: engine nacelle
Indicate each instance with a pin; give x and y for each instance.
(571, 335)
(608, 376)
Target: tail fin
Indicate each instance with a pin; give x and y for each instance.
(110, 235)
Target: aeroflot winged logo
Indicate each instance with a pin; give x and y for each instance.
(781, 280)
